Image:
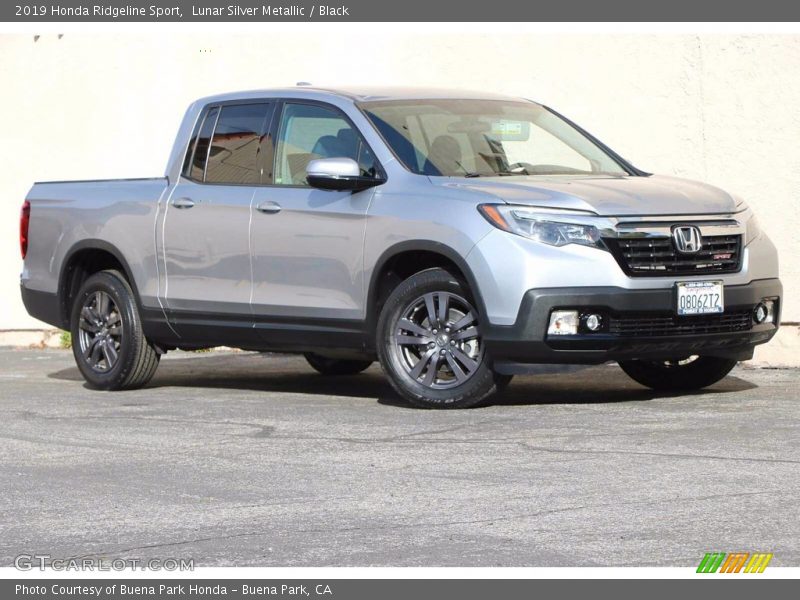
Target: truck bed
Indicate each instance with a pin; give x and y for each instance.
(115, 213)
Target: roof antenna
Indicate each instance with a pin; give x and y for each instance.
(303, 83)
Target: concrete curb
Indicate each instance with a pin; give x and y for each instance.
(781, 353)
(31, 338)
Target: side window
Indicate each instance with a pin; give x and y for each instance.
(197, 168)
(187, 159)
(234, 151)
(308, 132)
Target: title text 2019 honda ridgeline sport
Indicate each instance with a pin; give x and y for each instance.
(455, 237)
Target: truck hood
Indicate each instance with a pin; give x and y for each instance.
(605, 195)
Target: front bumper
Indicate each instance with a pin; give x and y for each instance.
(526, 341)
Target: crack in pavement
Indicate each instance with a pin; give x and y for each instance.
(660, 454)
(28, 413)
(425, 524)
(527, 445)
(406, 438)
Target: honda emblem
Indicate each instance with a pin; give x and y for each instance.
(687, 239)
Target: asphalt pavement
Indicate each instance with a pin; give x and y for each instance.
(243, 459)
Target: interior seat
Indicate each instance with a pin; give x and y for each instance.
(444, 157)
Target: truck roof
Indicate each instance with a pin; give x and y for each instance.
(362, 94)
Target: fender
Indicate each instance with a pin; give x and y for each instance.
(426, 246)
(91, 244)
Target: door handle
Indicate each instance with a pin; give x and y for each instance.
(269, 207)
(183, 203)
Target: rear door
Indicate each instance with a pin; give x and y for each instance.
(307, 243)
(207, 220)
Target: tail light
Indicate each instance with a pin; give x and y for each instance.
(24, 223)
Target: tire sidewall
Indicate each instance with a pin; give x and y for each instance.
(119, 292)
(480, 385)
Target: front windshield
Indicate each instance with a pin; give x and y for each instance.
(473, 138)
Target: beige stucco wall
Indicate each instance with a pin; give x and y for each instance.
(720, 108)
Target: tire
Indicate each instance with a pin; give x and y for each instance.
(109, 346)
(429, 369)
(692, 373)
(333, 366)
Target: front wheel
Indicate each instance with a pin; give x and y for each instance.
(108, 343)
(430, 345)
(690, 373)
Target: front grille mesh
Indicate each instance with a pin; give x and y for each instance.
(653, 325)
(655, 256)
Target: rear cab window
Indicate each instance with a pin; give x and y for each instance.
(228, 144)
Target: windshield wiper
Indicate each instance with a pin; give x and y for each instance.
(467, 172)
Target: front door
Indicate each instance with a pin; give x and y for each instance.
(307, 244)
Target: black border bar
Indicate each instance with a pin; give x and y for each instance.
(363, 11)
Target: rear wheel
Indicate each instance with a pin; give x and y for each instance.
(335, 366)
(430, 345)
(502, 381)
(109, 346)
(689, 373)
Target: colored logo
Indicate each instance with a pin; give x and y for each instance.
(737, 562)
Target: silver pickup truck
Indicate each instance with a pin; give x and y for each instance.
(456, 237)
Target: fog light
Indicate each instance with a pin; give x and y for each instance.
(593, 322)
(563, 322)
(764, 312)
(760, 313)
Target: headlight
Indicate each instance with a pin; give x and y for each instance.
(554, 229)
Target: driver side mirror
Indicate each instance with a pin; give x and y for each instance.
(339, 174)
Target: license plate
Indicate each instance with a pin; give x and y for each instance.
(700, 297)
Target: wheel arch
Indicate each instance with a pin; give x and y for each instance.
(385, 275)
(82, 260)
